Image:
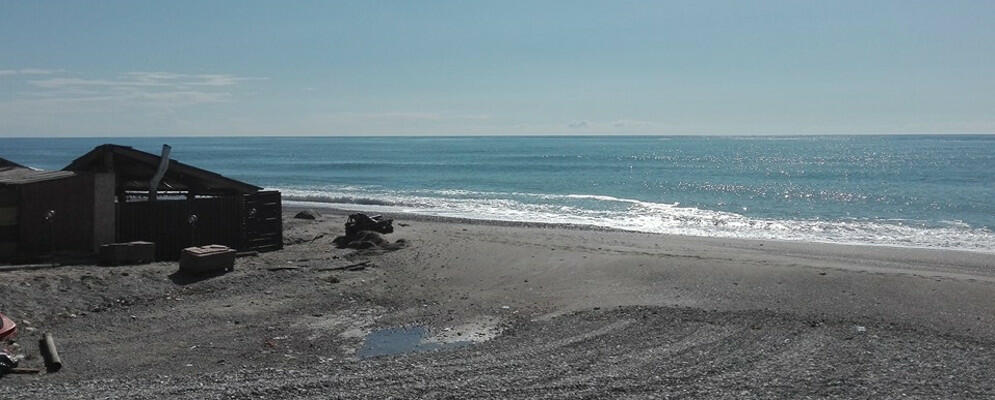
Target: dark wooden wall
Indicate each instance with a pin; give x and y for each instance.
(243, 222)
(240, 221)
(167, 223)
(8, 223)
(72, 228)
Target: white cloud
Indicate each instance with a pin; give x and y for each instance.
(55, 83)
(146, 79)
(622, 125)
(631, 123)
(124, 104)
(402, 116)
(131, 89)
(39, 71)
(28, 71)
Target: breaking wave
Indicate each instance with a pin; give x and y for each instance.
(643, 216)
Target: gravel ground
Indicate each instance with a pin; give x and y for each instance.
(632, 352)
(287, 325)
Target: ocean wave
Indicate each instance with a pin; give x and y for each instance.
(636, 215)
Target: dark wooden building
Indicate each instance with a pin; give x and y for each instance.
(52, 212)
(119, 194)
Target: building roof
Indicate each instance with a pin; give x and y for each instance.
(20, 176)
(12, 173)
(7, 163)
(134, 169)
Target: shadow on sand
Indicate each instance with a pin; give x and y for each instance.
(185, 278)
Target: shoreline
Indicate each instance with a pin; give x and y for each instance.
(293, 207)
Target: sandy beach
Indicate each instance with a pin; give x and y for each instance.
(506, 310)
(598, 200)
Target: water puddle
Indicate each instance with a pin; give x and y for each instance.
(402, 340)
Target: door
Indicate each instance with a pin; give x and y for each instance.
(263, 216)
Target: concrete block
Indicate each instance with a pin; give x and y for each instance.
(207, 259)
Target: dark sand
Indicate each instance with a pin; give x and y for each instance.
(557, 312)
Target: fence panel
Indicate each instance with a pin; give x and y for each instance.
(167, 223)
(263, 221)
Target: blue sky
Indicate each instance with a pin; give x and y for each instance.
(134, 68)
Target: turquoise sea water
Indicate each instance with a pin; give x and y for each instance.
(924, 191)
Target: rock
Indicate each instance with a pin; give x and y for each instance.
(308, 214)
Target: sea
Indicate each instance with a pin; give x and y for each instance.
(935, 191)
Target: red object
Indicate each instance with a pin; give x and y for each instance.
(7, 328)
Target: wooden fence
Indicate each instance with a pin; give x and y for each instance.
(243, 222)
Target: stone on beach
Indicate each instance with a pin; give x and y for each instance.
(308, 214)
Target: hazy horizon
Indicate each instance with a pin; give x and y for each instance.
(257, 68)
(510, 135)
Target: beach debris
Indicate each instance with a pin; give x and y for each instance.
(7, 362)
(308, 214)
(282, 268)
(8, 357)
(8, 329)
(351, 267)
(53, 363)
(361, 240)
(365, 232)
(361, 222)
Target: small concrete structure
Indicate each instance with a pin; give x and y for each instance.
(207, 259)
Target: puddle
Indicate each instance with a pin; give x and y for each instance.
(402, 340)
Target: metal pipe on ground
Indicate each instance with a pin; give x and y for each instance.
(53, 363)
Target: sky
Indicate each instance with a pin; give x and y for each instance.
(173, 68)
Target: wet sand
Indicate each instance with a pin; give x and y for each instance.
(548, 311)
